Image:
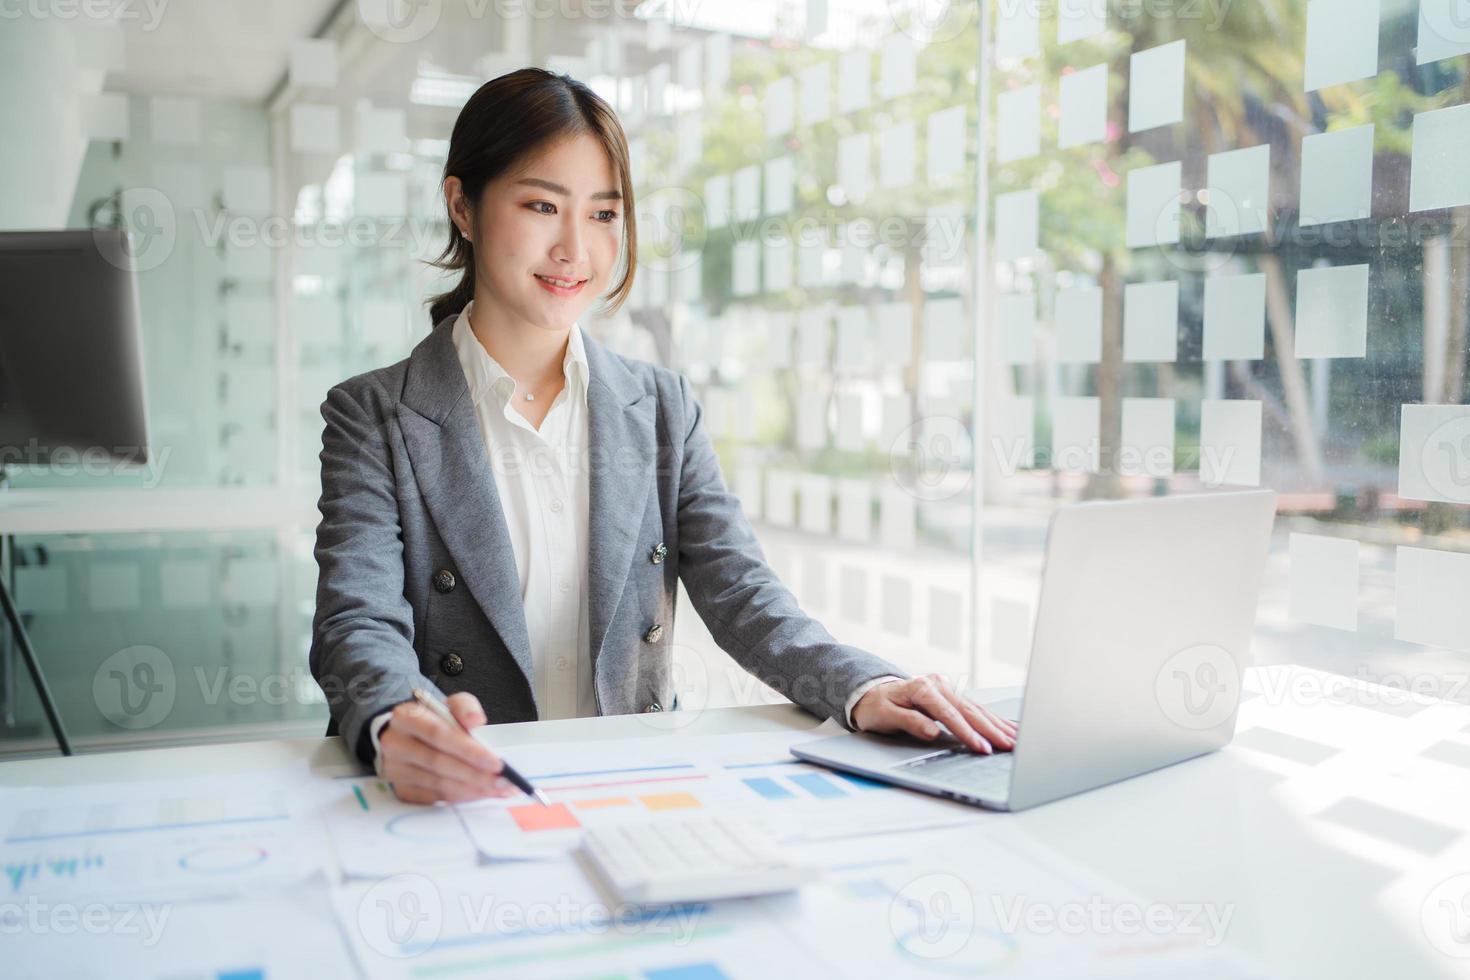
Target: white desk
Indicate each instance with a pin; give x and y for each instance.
(1327, 825)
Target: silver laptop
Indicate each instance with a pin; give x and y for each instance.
(1143, 629)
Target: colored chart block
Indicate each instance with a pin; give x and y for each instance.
(769, 788)
(670, 801)
(535, 817)
(687, 971)
(819, 786)
(862, 782)
(605, 801)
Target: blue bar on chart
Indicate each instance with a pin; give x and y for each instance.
(255, 974)
(689, 971)
(862, 782)
(819, 786)
(769, 788)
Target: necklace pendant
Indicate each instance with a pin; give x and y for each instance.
(530, 397)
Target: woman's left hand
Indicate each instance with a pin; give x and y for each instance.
(915, 705)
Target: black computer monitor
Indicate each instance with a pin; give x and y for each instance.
(71, 356)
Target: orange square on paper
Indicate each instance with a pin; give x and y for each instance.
(533, 816)
(605, 801)
(670, 801)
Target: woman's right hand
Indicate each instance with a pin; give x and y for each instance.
(426, 759)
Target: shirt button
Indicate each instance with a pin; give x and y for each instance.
(566, 586)
(653, 706)
(561, 663)
(556, 506)
(654, 634)
(452, 664)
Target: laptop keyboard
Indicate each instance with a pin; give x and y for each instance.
(978, 775)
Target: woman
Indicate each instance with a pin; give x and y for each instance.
(506, 513)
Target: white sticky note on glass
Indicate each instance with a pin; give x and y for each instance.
(717, 201)
(1230, 442)
(315, 128)
(249, 262)
(381, 130)
(1015, 315)
(895, 601)
(849, 434)
(1153, 205)
(1323, 585)
(689, 66)
(898, 66)
(1444, 30)
(1078, 316)
(1337, 176)
(247, 190)
(689, 140)
(777, 264)
(184, 184)
(1017, 30)
(1342, 42)
(1083, 99)
(946, 142)
(717, 62)
(1151, 321)
(1147, 437)
(779, 328)
(780, 183)
(854, 510)
(897, 417)
(894, 327)
(251, 320)
(946, 619)
(1013, 435)
(1434, 453)
(811, 420)
(175, 120)
(945, 227)
(854, 80)
(1235, 318)
(811, 269)
(896, 156)
(380, 194)
(854, 165)
(106, 116)
(746, 197)
(1018, 124)
(185, 583)
(780, 106)
(40, 589)
(816, 504)
(1079, 19)
(1438, 176)
(813, 336)
(854, 344)
(745, 268)
(314, 62)
(1156, 87)
(897, 518)
(780, 498)
(1017, 217)
(115, 586)
(1332, 311)
(658, 89)
(816, 93)
(1237, 183)
(1074, 435)
(944, 330)
(1430, 597)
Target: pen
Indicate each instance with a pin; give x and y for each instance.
(507, 770)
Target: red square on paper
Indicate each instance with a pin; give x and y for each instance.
(533, 816)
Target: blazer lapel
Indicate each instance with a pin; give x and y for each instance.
(622, 453)
(445, 444)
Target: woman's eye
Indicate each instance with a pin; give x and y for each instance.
(607, 216)
(543, 207)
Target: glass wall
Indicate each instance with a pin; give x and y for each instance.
(931, 268)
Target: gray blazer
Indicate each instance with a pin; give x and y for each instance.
(418, 584)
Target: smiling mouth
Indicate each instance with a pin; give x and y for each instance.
(560, 283)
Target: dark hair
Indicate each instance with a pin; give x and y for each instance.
(507, 119)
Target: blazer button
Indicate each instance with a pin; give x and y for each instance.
(452, 664)
(654, 634)
(658, 554)
(655, 706)
(444, 580)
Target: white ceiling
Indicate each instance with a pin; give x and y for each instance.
(235, 49)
